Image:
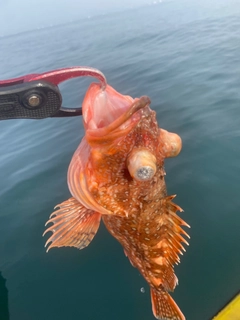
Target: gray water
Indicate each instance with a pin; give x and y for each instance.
(186, 57)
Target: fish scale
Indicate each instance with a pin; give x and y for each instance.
(104, 182)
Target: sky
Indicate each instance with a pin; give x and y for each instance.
(22, 15)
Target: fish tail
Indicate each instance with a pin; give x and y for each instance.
(163, 305)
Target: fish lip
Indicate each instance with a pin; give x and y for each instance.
(114, 129)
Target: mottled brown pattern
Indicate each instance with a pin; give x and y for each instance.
(138, 213)
(112, 185)
(144, 220)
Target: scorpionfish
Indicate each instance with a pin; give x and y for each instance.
(117, 175)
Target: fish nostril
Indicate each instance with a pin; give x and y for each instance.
(141, 164)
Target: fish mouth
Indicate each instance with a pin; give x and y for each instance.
(108, 114)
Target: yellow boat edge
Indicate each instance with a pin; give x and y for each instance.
(231, 311)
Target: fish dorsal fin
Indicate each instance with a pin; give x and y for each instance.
(169, 243)
(175, 231)
(73, 225)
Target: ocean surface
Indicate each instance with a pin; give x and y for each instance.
(186, 57)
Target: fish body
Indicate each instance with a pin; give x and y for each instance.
(117, 175)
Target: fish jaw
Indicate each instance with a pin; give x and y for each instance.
(109, 115)
(102, 107)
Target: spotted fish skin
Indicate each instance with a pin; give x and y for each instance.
(136, 210)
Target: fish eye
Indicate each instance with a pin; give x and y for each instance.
(144, 173)
(141, 165)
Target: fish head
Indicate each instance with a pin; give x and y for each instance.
(119, 163)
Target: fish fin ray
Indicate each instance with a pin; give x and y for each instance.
(73, 225)
(170, 243)
(163, 305)
(170, 280)
(175, 232)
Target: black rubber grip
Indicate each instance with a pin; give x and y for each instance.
(29, 100)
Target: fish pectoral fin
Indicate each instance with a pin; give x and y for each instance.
(73, 225)
(163, 305)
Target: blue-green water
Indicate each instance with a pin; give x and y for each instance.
(186, 57)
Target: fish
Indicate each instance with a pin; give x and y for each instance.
(117, 175)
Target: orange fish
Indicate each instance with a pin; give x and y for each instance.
(117, 175)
